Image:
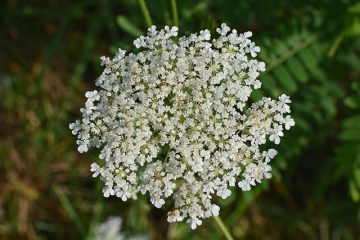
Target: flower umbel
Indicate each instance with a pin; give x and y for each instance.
(174, 121)
(110, 229)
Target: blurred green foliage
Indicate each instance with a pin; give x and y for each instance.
(49, 56)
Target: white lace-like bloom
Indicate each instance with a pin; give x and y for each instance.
(174, 121)
(110, 229)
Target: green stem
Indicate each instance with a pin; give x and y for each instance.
(145, 12)
(175, 12)
(336, 45)
(223, 228)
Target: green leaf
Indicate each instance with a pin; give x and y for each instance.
(276, 174)
(256, 95)
(297, 69)
(303, 124)
(293, 40)
(297, 46)
(357, 172)
(318, 49)
(126, 25)
(279, 47)
(352, 102)
(351, 134)
(352, 122)
(353, 29)
(354, 191)
(354, 8)
(270, 85)
(265, 55)
(281, 162)
(309, 60)
(285, 79)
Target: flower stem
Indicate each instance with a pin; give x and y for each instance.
(145, 12)
(223, 228)
(175, 13)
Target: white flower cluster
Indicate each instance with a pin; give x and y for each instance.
(110, 229)
(174, 121)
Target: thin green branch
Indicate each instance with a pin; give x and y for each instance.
(292, 52)
(336, 45)
(174, 13)
(145, 12)
(223, 228)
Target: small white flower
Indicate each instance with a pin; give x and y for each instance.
(244, 185)
(261, 66)
(224, 193)
(92, 95)
(95, 168)
(108, 192)
(223, 30)
(253, 49)
(194, 222)
(159, 203)
(210, 212)
(174, 216)
(174, 31)
(276, 134)
(284, 99)
(215, 209)
(270, 154)
(248, 34)
(205, 34)
(289, 122)
(75, 127)
(82, 148)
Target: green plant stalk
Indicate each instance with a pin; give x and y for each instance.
(145, 12)
(175, 13)
(336, 45)
(223, 228)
